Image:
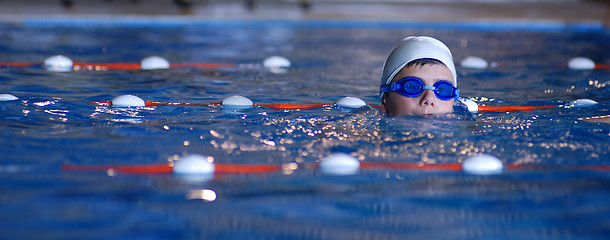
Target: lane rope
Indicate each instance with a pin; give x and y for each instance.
(576, 63)
(483, 108)
(289, 106)
(78, 66)
(348, 102)
(59, 63)
(269, 168)
(168, 168)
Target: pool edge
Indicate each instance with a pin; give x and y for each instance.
(157, 21)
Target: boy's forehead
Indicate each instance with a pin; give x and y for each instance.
(435, 72)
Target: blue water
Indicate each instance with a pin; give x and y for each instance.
(51, 124)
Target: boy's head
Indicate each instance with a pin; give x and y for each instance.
(418, 78)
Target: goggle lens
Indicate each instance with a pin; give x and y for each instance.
(444, 90)
(413, 87)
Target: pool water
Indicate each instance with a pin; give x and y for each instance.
(53, 123)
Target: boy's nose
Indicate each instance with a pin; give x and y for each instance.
(427, 99)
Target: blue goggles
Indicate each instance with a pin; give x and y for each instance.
(413, 87)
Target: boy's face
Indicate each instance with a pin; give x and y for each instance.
(426, 103)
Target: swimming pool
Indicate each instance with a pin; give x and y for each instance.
(53, 124)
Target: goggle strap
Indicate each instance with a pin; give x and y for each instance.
(395, 86)
(385, 88)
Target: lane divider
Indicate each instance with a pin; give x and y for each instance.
(126, 101)
(511, 108)
(230, 102)
(474, 107)
(334, 164)
(59, 63)
(169, 168)
(346, 102)
(278, 64)
(283, 106)
(576, 63)
(78, 66)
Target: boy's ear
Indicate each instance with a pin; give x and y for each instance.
(383, 109)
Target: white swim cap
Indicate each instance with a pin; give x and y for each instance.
(414, 48)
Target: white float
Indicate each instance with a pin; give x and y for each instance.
(339, 164)
(583, 103)
(471, 105)
(128, 101)
(483, 164)
(350, 102)
(7, 97)
(58, 63)
(276, 64)
(154, 62)
(194, 164)
(474, 62)
(581, 63)
(237, 101)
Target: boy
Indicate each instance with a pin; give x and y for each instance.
(416, 65)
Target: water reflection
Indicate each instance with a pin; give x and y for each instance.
(207, 195)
